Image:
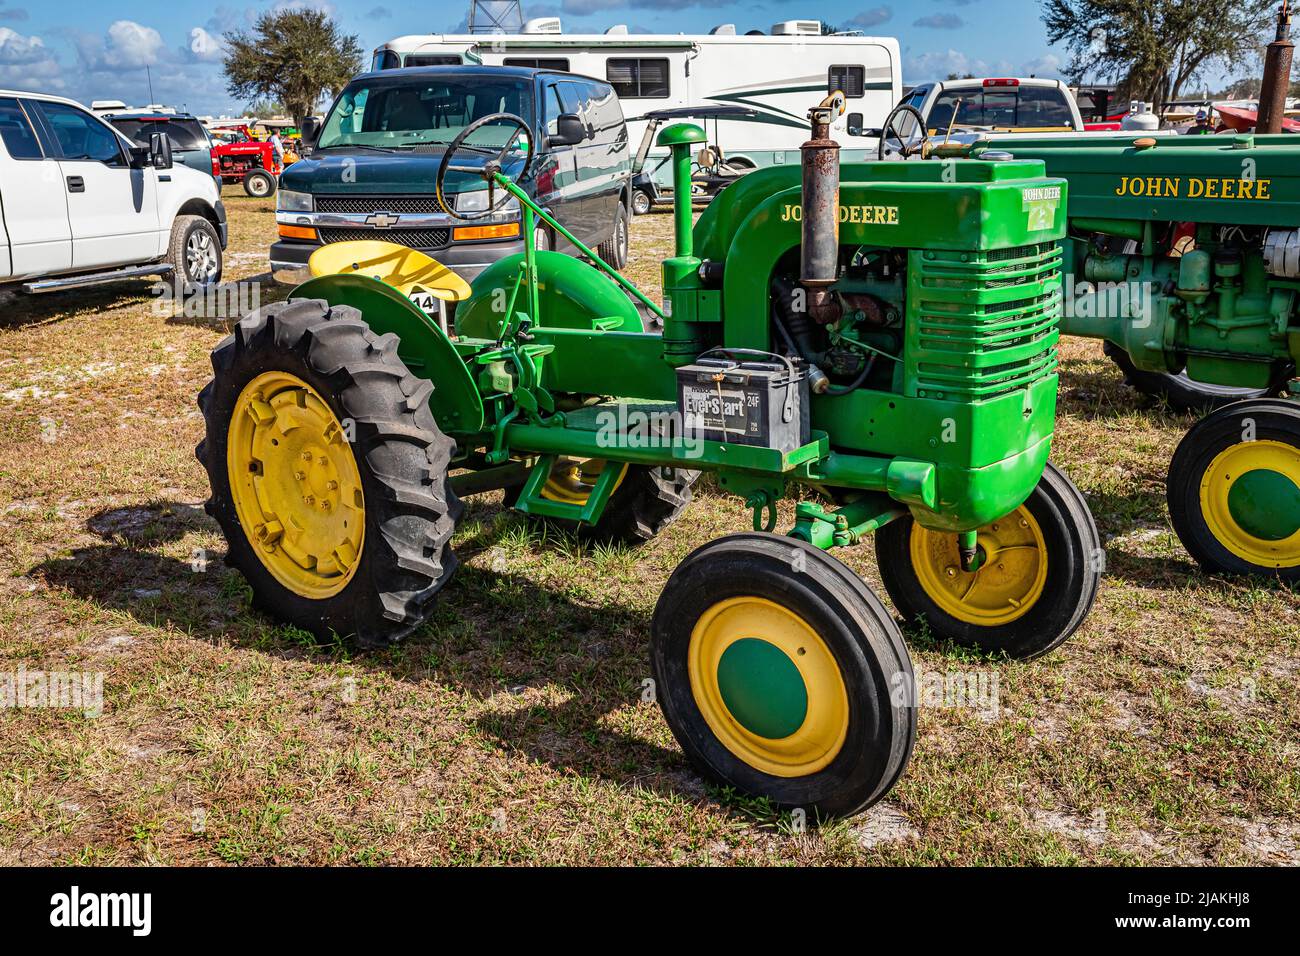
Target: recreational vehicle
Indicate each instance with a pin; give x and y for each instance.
(776, 75)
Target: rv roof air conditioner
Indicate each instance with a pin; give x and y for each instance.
(797, 27)
(543, 25)
(723, 30)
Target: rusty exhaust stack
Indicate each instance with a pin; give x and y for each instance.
(820, 252)
(1277, 76)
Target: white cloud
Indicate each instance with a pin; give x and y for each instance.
(126, 46)
(26, 63)
(205, 47)
(1049, 65)
(871, 18)
(937, 65)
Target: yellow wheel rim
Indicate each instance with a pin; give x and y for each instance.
(1250, 499)
(1003, 588)
(295, 484)
(572, 480)
(768, 687)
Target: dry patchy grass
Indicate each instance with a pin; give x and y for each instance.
(510, 728)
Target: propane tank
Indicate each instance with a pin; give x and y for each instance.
(820, 252)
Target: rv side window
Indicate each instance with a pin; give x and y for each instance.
(538, 63)
(386, 60)
(638, 79)
(850, 80)
(432, 59)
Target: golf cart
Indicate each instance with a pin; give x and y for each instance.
(710, 171)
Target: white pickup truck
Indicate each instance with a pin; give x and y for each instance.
(80, 204)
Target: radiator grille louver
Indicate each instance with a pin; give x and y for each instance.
(986, 325)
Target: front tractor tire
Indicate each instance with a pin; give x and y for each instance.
(782, 675)
(1234, 490)
(328, 472)
(1039, 572)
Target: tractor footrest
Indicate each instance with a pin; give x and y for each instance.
(533, 501)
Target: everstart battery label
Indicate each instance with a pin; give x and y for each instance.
(719, 410)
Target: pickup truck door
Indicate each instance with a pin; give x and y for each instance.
(112, 208)
(32, 199)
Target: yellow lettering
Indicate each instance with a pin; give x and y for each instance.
(1212, 188)
(1261, 189)
(1137, 187)
(1123, 186)
(1229, 188)
(893, 215)
(1195, 188)
(1171, 186)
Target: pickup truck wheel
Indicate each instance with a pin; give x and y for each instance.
(614, 249)
(641, 202)
(259, 184)
(195, 252)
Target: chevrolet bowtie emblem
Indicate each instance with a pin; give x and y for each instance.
(382, 220)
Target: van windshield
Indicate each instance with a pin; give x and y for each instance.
(408, 113)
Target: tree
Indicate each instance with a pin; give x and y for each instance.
(1158, 47)
(294, 57)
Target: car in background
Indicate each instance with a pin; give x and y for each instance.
(191, 143)
(373, 162)
(83, 204)
(996, 104)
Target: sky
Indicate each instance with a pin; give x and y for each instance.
(100, 49)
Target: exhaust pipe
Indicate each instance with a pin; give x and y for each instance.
(1277, 76)
(820, 251)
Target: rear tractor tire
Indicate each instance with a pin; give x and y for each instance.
(328, 472)
(1039, 572)
(1234, 490)
(782, 675)
(644, 502)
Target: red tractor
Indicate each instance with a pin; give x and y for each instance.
(242, 157)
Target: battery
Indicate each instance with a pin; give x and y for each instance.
(745, 397)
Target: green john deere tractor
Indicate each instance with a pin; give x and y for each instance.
(1183, 255)
(879, 333)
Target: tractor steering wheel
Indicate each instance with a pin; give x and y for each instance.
(490, 166)
(904, 150)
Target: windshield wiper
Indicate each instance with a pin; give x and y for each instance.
(377, 149)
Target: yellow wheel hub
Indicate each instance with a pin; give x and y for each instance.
(1250, 499)
(572, 480)
(295, 484)
(768, 686)
(1003, 588)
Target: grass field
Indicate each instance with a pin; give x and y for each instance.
(510, 729)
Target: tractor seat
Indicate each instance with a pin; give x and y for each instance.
(406, 270)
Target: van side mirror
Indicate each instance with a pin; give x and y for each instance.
(568, 130)
(308, 132)
(855, 124)
(160, 151)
